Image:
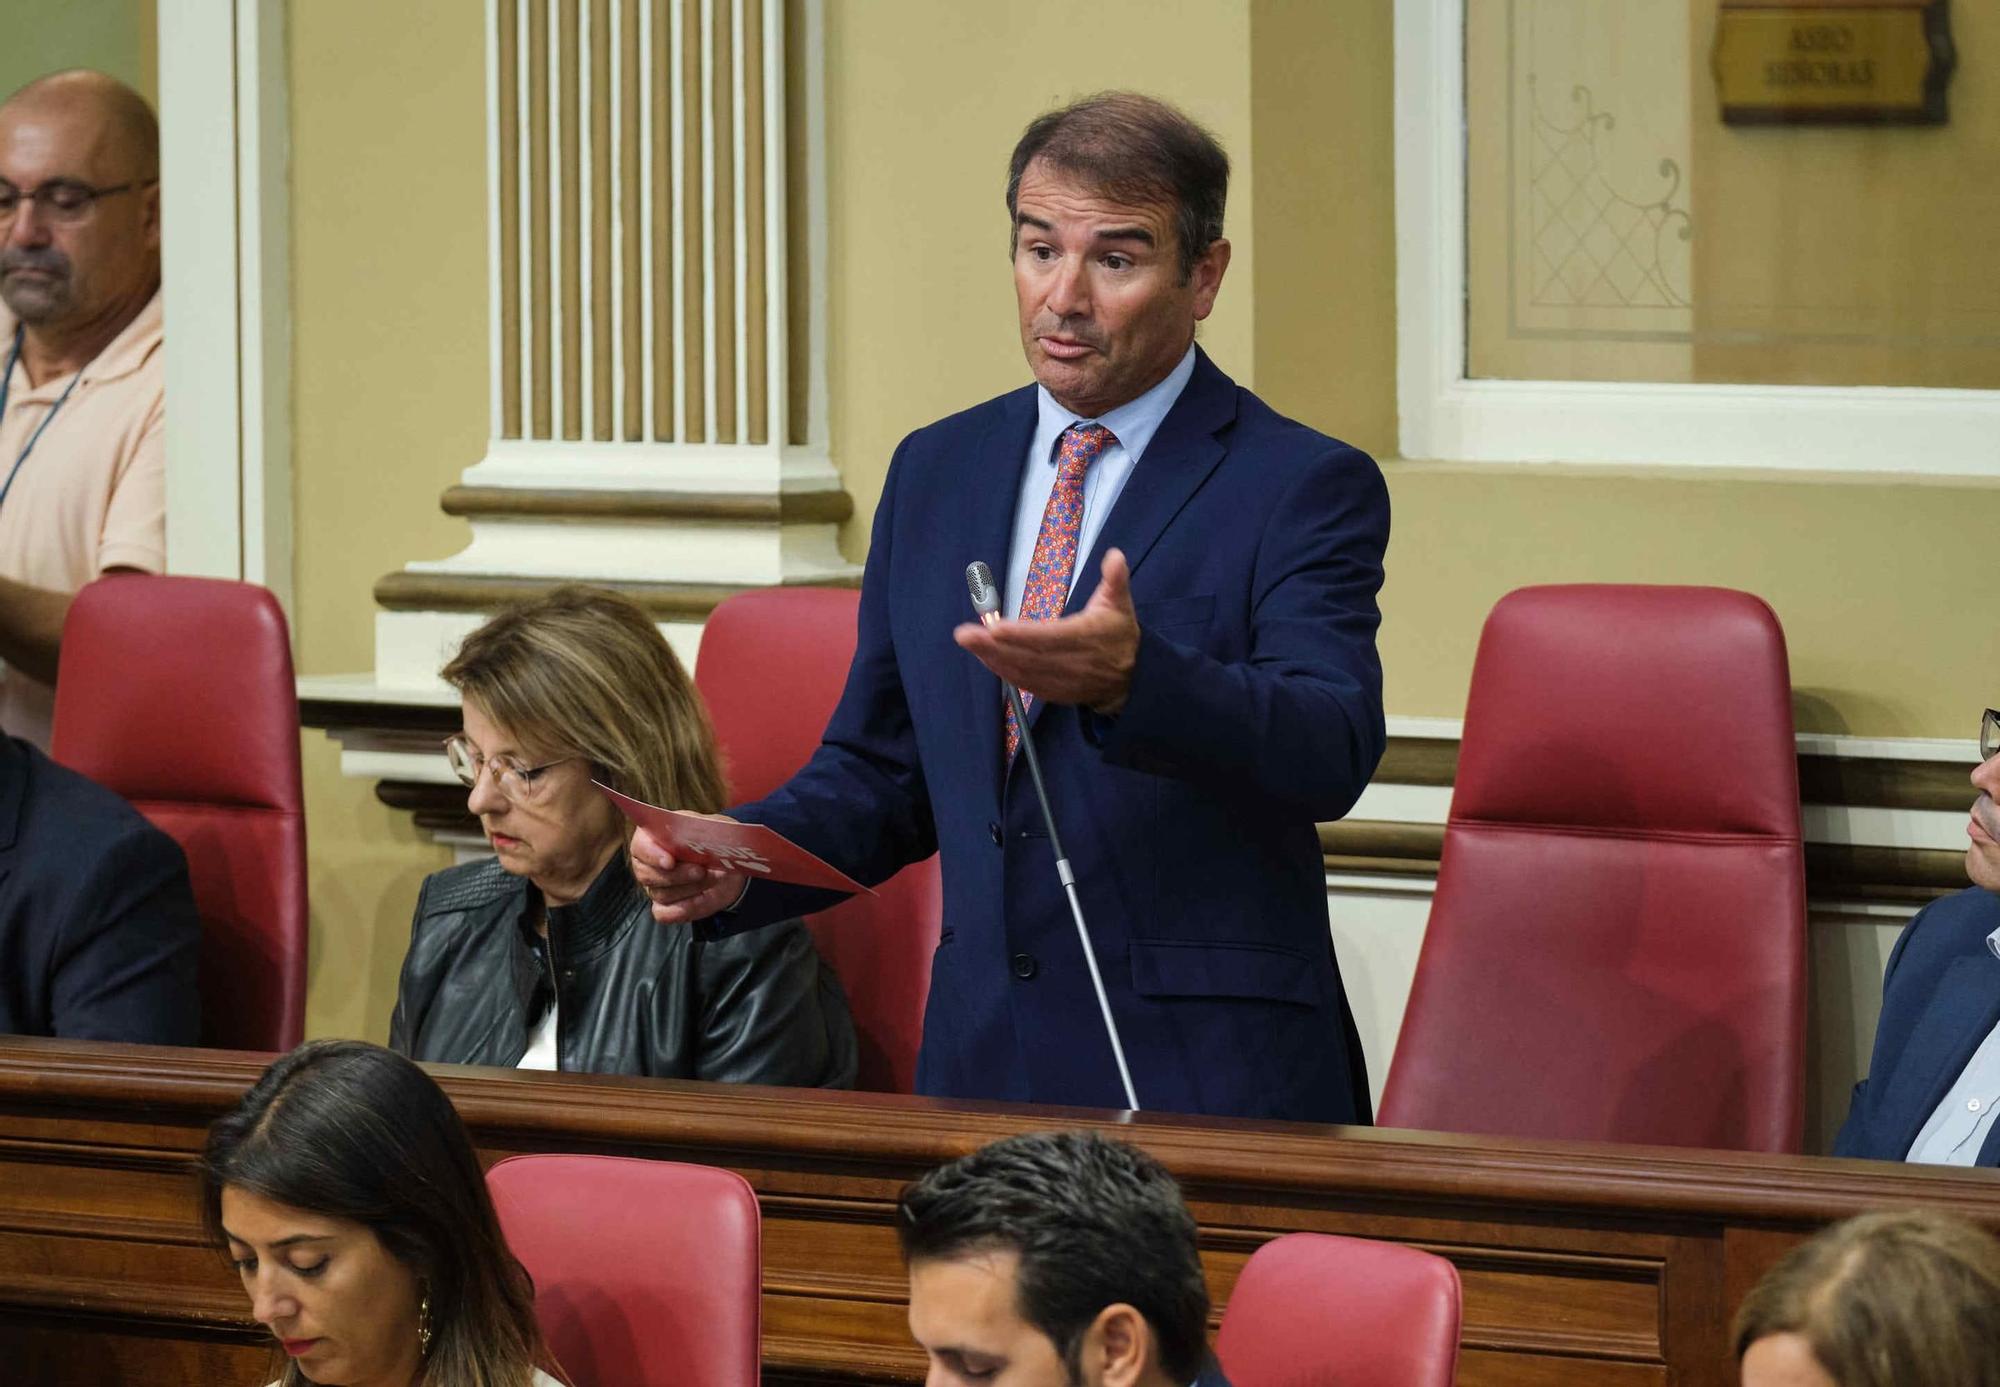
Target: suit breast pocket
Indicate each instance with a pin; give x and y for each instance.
(1179, 617)
(1163, 968)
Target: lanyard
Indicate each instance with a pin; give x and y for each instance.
(6, 385)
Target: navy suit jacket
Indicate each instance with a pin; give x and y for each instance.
(1255, 712)
(1940, 998)
(98, 931)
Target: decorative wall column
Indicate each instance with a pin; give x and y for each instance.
(656, 215)
(648, 429)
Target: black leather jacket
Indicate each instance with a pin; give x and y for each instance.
(632, 996)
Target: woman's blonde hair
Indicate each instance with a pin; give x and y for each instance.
(1909, 1298)
(584, 672)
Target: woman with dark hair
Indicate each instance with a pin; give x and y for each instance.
(347, 1194)
(545, 956)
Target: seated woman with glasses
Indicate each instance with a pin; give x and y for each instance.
(546, 956)
(347, 1194)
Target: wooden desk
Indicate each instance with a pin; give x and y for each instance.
(1600, 1265)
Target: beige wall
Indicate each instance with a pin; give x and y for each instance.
(389, 303)
(1875, 235)
(114, 36)
(1878, 582)
(1880, 585)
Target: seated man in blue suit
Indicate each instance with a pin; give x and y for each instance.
(1933, 1082)
(1189, 604)
(98, 932)
(1057, 1259)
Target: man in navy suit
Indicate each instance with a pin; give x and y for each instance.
(1934, 1080)
(1056, 1259)
(1190, 584)
(98, 931)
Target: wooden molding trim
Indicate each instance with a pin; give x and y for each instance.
(1418, 761)
(1900, 876)
(404, 591)
(1877, 782)
(434, 808)
(1645, 1248)
(327, 714)
(1884, 783)
(902, 1135)
(784, 508)
(1833, 870)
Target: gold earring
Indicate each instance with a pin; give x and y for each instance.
(424, 1324)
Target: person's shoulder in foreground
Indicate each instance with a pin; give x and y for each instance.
(98, 930)
(1057, 1259)
(1933, 1081)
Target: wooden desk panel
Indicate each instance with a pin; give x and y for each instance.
(1596, 1265)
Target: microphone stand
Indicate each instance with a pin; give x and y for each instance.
(1068, 878)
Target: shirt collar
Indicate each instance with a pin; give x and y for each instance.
(1133, 423)
(123, 355)
(600, 916)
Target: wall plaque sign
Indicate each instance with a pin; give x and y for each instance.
(1835, 62)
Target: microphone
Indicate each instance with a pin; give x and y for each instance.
(985, 597)
(986, 602)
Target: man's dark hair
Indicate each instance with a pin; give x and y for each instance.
(1135, 147)
(1095, 1222)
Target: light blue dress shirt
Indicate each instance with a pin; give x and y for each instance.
(1133, 424)
(1958, 1126)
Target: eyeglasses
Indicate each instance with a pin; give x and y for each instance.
(1989, 735)
(520, 784)
(63, 200)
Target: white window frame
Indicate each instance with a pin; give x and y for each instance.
(1446, 416)
(226, 276)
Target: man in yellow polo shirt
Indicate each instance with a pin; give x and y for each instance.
(82, 464)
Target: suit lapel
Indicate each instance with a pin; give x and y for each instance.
(991, 488)
(1960, 1014)
(1178, 460)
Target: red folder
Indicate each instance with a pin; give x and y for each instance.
(751, 849)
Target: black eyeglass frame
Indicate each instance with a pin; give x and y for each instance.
(1989, 735)
(90, 195)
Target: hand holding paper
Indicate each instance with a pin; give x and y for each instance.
(694, 865)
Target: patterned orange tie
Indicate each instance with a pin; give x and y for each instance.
(1054, 562)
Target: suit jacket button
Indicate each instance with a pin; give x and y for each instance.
(1024, 966)
(993, 832)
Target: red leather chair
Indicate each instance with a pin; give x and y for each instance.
(647, 1273)
(1313, 1310)
(178, 694)
(771, 667)
(1616, 950)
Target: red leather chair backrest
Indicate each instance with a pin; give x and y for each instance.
(1616, 951)
(178, 694)
(1314, 1310)
(771, 667)
(647, 1273)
